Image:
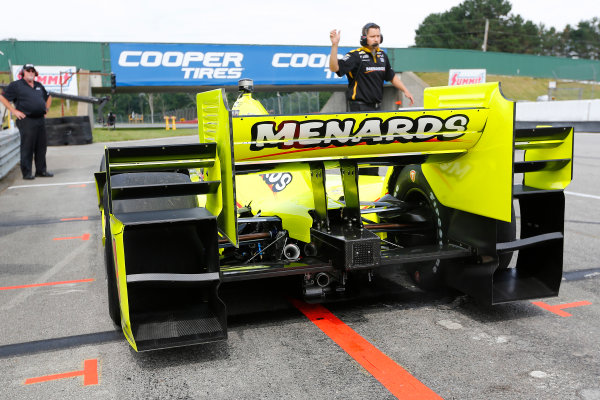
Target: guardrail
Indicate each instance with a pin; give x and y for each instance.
(10, 142)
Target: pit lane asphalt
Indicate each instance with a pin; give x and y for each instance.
(457, 348)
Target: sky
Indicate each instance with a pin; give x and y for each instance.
(304, 22)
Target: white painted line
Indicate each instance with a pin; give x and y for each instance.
(50, 184)
(591, 196)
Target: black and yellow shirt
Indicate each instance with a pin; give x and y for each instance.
(366, 72)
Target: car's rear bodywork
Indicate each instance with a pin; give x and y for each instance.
(263, 196)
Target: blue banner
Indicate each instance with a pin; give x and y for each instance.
(150, 64)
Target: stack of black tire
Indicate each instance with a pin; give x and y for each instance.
(68, 130)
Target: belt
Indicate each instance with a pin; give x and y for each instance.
(374, 105)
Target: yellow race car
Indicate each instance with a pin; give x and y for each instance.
(263, 196)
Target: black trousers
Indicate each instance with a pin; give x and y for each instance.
(33, 144)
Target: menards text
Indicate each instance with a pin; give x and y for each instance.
(371, 131)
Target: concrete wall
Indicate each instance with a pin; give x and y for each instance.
(584, 115)
(565, 110)
(335, 104)
(416, 86)
(85, 89)
(391, 95)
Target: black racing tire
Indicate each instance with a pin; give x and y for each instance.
(432, 217)
(429, 275)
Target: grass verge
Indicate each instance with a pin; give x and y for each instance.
(526, 88)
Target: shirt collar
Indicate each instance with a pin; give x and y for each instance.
(364, 48)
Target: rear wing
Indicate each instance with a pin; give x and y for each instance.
(464, 137)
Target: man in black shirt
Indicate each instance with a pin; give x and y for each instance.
(366, 69)
(31, 102)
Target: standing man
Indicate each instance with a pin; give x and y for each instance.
(31, 102)
(366, 69)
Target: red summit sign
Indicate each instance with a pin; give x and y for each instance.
(466, 76)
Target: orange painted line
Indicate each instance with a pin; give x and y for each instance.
(85, 236)
(558, 309)
(77, 186)
(75, 219)
(89, 373)
(45, 284)
(391, 375)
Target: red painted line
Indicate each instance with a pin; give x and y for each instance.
(558, 309)
(85, 236)
(391, 375)
(289, 152)
(89, 373)
(45, 284)
(75, 219)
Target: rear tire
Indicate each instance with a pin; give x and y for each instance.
(432, 218)
(429, 275)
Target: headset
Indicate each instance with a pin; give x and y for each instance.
(365, 29)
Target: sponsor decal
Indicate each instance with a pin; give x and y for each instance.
(413, 175)
(193, 64)
(148, 64)
(277, 181)
(349, 132)
(61, 79)
(466, 76)
(318, 61)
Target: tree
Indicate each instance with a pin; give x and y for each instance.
(551, 42)
(584, 41)
(515, 35)
(463, 26)
(123, 104)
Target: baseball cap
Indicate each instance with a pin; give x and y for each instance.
(30, 66)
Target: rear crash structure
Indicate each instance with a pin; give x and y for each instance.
(263, 196)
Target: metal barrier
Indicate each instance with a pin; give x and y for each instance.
(10, 142)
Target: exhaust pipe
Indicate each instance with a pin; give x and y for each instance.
(310, 250)
(291, 251)
(323, 279)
